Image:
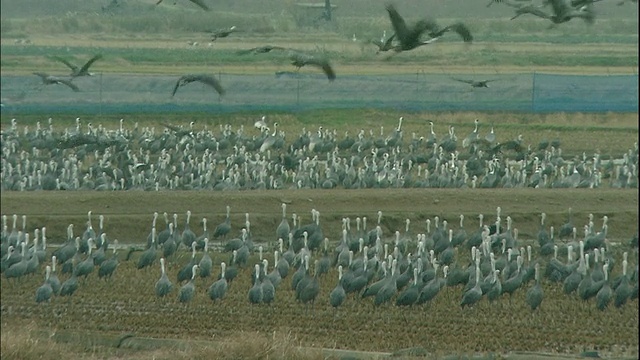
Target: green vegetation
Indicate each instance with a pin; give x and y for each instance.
(140, 34)
(15, 57)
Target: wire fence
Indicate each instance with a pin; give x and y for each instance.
(305, 90)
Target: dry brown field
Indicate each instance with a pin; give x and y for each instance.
(127, 303)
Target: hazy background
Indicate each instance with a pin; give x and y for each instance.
(349, 8)
(283, 16)
(147, 47)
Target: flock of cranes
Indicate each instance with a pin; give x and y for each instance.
(88, 157)
(405, 37)
(562, 10)
(405, 267)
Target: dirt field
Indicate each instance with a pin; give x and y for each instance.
(127, 303)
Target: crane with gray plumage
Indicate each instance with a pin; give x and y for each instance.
(163, 285)
(410, 295)
(283, 229)
(474, 294)
(205, 262)
(69, 286)
(309, 292)
(535, 294)
(224, 227)
(53, 277)
(86, 266)
(337, 295)
(189, 289)
(18, 269)
(188, 236)
(218, 289)
(390, 288)
(185, 273)
(255, 293)
(603, 297)
(268, 288)
(108, 267)
(45, 291)
(148, 256)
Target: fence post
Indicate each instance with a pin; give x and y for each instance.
(100, 97)
(220, 80)
(533, 92)
(298, 91)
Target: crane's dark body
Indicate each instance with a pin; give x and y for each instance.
(223, 33)
(475, 83)
(410, 37)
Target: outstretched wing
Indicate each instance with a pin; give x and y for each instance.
(460, 28)
(260, 50)
(560, 7)
(586, 12)
(91, 61)
(327, 69)
(300, 59)
(69, 65)
(376, 42)
(399, 26)
(383, 45)
(178, 83)
(470, 82)
(213, 82)
(506, 2)
(536, 11)
(201, 4)
(387, 43)
(42, 75)
(68, 83)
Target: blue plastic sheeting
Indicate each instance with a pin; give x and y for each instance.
(308, 89)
